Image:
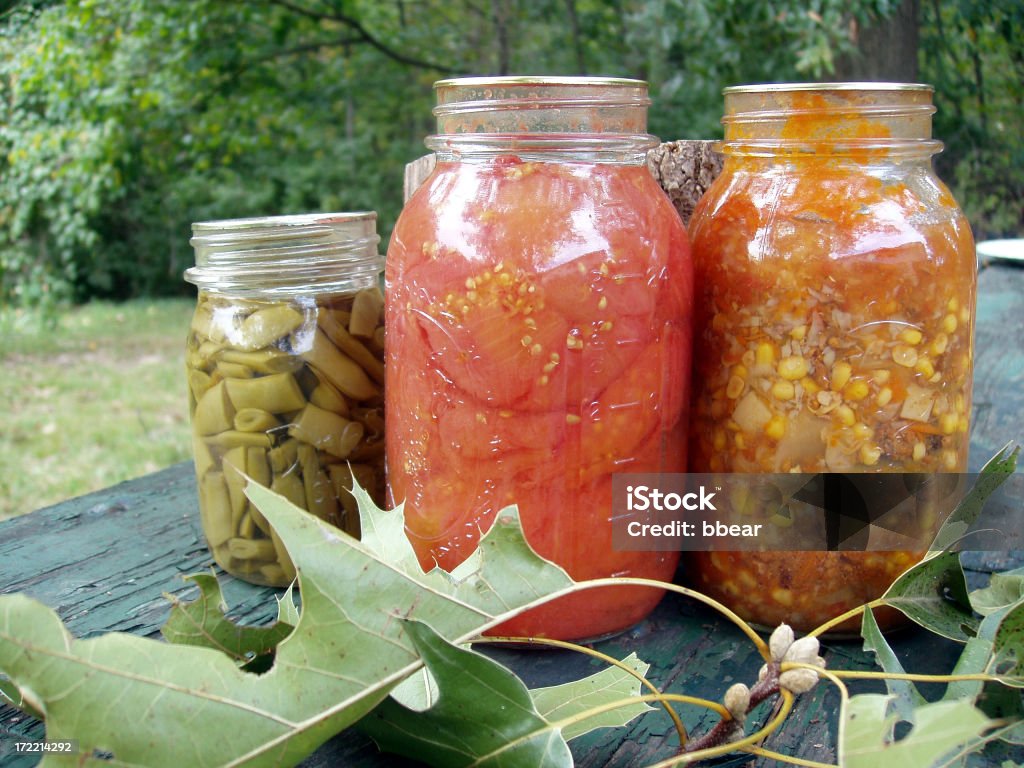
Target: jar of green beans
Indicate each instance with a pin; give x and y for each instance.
(285, 370)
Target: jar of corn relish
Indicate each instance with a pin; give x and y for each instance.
(835, 303)
(538, 319)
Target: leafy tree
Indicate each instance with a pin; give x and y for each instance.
(122, 121)
(971, 51)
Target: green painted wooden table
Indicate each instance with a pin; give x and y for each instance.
(104, 562)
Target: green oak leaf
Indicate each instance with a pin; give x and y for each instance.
(287, 609)
(938, 729)
(996, 700)
(1008, 646)
(194, 706)
(933, 593)
(203, 622)
(10, 694)
(904, 696)
(1003, 589)
(992, 475)
(469, 710)
(483, 715)
(572, 699)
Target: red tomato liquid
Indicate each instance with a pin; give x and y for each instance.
(538, 341)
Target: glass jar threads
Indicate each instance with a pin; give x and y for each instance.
(835, 311)
(285, 365)
(539, 290)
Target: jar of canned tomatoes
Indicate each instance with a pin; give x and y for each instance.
(285, 364)
(538, 319)
(834, 315)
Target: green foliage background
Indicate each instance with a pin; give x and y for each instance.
(122, 121)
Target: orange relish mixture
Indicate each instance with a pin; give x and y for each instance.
(834, 317)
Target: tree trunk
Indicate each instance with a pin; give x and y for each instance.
(500, 17)
(577, 40)
(887, 50)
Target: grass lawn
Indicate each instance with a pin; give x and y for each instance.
(95, 400)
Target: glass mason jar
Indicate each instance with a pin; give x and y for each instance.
(538, 317)
(835, 306)
(285, 365)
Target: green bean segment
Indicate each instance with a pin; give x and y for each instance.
(287, 394)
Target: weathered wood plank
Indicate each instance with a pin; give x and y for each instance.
(103, 562)
(998, 412)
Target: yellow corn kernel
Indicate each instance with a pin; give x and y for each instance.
(810, 386)
(783, 390)
(782, 596)
(949, 323)
(734, 388)
(924, 367)
(857, 390)
(740, 441)
(740, 370)
(919, 451)
(775, 428)
(884, 397)
(948, 423)
(904, 355)
(870, 454)
(882, 376)
(846, 415)
(963, 425)
(603, 303)
(840, 375)
(719, 440)
(939, 344)
(572, 418)
(949, 460)
(765, 354)
(953, 305)
(911, 336)
(862, 431)
(793, 367)
(798, 333)
(965, 314)
(961, 404)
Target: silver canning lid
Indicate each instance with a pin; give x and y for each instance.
(355, 223)
(463, 95)
(854, 86)
(533, 110)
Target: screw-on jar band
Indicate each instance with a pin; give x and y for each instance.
(835, 119)
(287, 255)
(602, 119)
